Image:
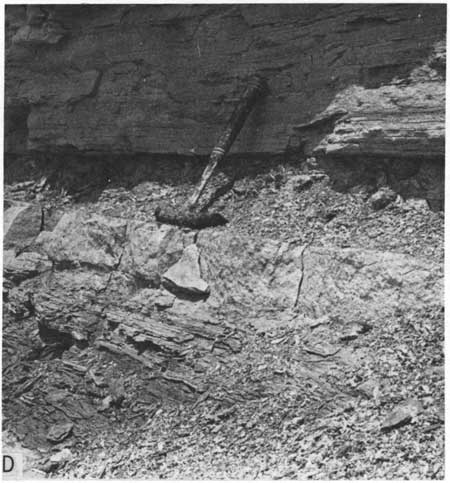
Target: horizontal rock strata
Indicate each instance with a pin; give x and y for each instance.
(150, 79)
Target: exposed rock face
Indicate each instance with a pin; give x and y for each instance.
(22, 223)
(67, 303)
(403, 415)
(98, 291)
(78, 240)
(403, 119)
(353, 284)
(356, 284)
(88, 293)
(149, 79)
(289, 316)
(25, 265)
(151, 249)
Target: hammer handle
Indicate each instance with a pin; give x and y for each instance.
(255, 88)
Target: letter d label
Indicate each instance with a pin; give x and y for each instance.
(8, 463)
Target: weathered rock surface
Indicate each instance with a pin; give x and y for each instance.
(400, 120)
(59, 432)
(152, 249)
(102, 282)
(147, 299)
(398, 124)
(403, 414)
(68, 306)
(60, 458)
(80, 239)
(22, 223)
(25, 265)
(178, 344)
(293, 324)
(91, 78)
(353, 283)
(362, 284)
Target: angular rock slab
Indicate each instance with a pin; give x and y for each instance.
(152, 249)
(180, 344)
(68, 303)
(385, 122)
(253, 275)
(59, 432)
(382, 198)
(185, 275)
(25, 265)
(353, 283)
(81, 238)
(401, 119)
(403, 414)
(147, 300)
(357, 284)
(22, 223)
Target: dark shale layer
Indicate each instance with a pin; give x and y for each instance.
(149, 79)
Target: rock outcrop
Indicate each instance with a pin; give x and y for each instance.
(163, 79)
(80, 240)
(111, 315)
(84, 291)
(22, 223)
(402, 119)
(351, 284)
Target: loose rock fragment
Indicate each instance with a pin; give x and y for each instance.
(352, 331)
(303, 182)
(185, 275)
(97, 380)
(416, 204)
(322, 349)
(403, 414)
(223, 414)
(61, 457)
(370, 389)
(106, 403)
(59, 432)
(382, 198)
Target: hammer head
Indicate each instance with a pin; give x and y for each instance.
(190, 219)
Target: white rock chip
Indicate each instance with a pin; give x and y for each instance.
(185, 275)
